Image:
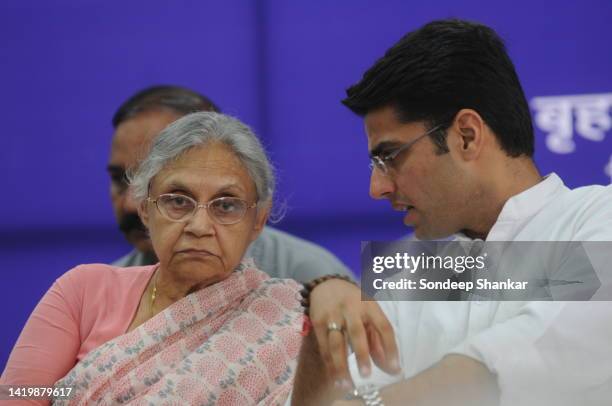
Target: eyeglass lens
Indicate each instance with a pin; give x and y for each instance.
(225, 210)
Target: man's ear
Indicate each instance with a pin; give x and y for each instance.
(469, 134)
(261, 218)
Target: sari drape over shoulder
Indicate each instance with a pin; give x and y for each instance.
(232, 343)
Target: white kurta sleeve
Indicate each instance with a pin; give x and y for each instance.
(550, 352)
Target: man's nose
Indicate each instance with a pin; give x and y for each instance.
(381, 185)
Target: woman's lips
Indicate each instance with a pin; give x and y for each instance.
(196, 253)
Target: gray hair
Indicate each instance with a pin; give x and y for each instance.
(198, 129)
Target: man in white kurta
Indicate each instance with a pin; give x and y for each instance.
(451, 145)
(549, 351)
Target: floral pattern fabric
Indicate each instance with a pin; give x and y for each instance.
(232, 343)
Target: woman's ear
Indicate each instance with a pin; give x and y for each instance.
(143, 213)
(261, 218)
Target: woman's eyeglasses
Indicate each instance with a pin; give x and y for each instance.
(181, 208)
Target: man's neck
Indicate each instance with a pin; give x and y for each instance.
(511, 179)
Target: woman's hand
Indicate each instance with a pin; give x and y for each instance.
(340, 317)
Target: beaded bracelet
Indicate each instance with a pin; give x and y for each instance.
(309, 287)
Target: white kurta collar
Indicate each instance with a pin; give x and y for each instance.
(520, 208)
(529, 202)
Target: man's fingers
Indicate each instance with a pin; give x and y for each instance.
(338, 350)
(320, 329)
(358, 339)
(381, 324)
(376, 350)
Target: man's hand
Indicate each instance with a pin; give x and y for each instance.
(355, 402)
(364, 326)
(339, 318)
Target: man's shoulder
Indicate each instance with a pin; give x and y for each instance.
(593, 212)
(133, 258)
(598, 195)
(581, 214)
(594, 199)
(587, 207)
(274, 236)
(298, 248)
(281, 254)
(592, 191)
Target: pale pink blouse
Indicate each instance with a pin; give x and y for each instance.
(86, 307)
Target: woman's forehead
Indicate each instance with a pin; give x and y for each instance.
(212, 167)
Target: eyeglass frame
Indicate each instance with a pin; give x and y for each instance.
(376, 161)
(198, 206)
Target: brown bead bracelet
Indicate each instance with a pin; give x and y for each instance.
(309, 287)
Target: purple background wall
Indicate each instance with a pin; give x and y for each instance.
(280, 66)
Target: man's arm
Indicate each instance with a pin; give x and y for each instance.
(456, 380)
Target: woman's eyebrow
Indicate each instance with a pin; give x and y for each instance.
(178, 186)
(232, 189)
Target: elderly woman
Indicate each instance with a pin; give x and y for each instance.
(202, 326)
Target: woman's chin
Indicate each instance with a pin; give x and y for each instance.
(206, 269)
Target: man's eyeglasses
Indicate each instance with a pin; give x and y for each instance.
(181, 208)
(382, 163)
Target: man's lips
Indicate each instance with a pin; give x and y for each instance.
(401, 206)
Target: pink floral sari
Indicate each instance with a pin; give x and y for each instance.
(233, 343)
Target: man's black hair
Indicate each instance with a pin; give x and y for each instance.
(178, 99)
(441, 68)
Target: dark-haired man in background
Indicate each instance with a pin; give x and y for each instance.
(137, 121)
(451, 144)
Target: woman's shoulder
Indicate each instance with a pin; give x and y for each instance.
(261, 281)
(283, 283)
(98, 276)
(273, 291)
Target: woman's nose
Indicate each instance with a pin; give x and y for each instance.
(201, 223)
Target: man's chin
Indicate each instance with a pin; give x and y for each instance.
(424, 234)
(419, 234)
